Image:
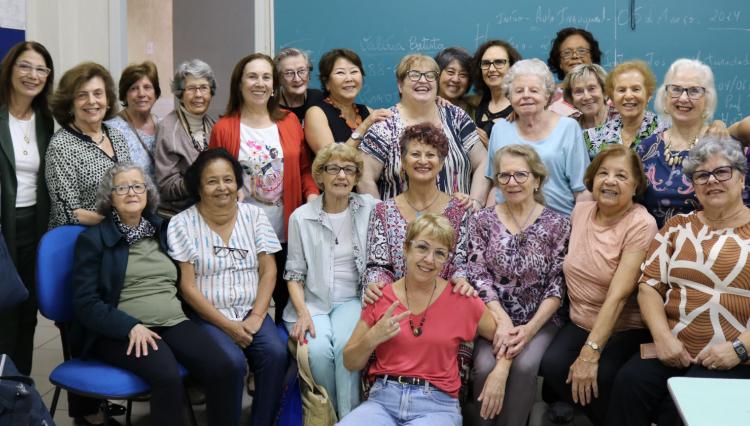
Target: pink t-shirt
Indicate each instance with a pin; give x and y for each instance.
(451, 319)
(594, 253)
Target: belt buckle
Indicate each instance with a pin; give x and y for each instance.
(401, 382)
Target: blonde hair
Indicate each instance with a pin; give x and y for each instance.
(432, 226)
(409, 61)
(339, 151)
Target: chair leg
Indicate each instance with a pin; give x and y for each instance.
(128, 412)
(193, 421)
(55, 397)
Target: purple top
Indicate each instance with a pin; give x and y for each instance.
(385, 242)
(520, 272)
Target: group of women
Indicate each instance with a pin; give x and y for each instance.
(445, 251)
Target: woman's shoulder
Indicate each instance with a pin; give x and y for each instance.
(117, 122)
(366, 201)
(170, 120)
(553, 218)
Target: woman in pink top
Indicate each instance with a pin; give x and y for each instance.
(608, 241)
(415, 329)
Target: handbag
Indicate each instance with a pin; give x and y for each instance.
(20, 402)
(12, 290)
(317, 408)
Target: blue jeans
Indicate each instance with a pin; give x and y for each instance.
(268, 359)
(332, 332)
(394, 404)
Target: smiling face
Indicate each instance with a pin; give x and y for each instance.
(716, 196)
(629, 94)
(26, 79)
(293, 66)
(218, 186)
(569, 52)
(527, 95)
(345, 80)
(130, 204)
(454, 81)
(421, 90)
(516, 193)
(257, 82)
(493, 76)
(588, 95)
(90, 103)
(196, 96)
(422, 162)
(614, 184)
(425, 258)
(341, 183)
(141, 96)
(683, 109)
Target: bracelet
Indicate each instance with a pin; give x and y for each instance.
(257, 315)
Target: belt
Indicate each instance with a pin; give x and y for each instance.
(405, 380)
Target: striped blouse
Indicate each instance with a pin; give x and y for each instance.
(226, 274)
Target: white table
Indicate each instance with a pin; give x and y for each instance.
(711, 402)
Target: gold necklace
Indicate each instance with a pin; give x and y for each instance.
(676, 158)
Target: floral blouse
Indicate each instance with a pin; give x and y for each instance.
(385, 242)
(610, 132)
(520, 270)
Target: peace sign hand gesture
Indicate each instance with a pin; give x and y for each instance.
(388, 326)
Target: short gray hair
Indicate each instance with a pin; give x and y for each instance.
(583, 71)
(106, 186)
(661, 101)
(529, 67)
(196, 69)
(288, 52)
(709, 146)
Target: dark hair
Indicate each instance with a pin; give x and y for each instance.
(450, 54)
(194, 172)
(325, 66)
(617, 150)
(41, 100)
(427, 134)
(134, 72)
(554, 53)
(71, 81)
(513, 57)
(234, 105)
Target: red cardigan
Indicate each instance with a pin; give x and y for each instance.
(298, 181)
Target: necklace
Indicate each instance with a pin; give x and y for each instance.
(417, 331)
(521, 234)
(26, 132)
(336, 233)
(676, 158)
(419, 212)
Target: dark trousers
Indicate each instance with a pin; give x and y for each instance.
(268, 359)
(640, 395)
(280, 292)
(17, 325)
(564, 350)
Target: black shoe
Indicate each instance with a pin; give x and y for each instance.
(81, 421)
(560, 412)
(115, 410)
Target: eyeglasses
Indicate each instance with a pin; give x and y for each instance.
(237, 253)
(519, 176)
(204, 88)
(580, 53)
(302, 73)
(333, 169)
(693, 92)
(721, 174)
(138, 188)
(497, 63)
(415, 75)
(423, 249)
(26, 68)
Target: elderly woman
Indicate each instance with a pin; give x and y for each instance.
(294, 68)
(688, 98)
(227, 275)
(465, 159)
(337, 118)
(139, 89)
(608, 241)
(455, 78)
(557, 140)
(584, 88)
(516, 252)
(183, 133)
(414, 331)
(713, 344)
(126, 308)
(570, 47)
(270, 145)
(324, 269)
(492, 60)
(85, 147)
(26, 78)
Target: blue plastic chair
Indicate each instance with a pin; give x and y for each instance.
(88, 377)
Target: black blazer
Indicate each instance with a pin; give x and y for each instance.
(101, 259)
(8, 183)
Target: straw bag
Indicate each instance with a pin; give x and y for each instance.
(317, 408)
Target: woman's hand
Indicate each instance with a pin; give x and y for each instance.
(373, 292)
(374, 117)
(582, 377)
(388, 327)
(672, 353)
(462, 287)
(519, 337)
(141, 338)
(720, 356)
(501, 338)
(303, 325)
(718, 130)
(493, 394)
(237, 331)
(483, 137)
(464, 199)
(312, 197)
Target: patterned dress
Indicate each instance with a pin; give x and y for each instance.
(610, 132)
(138, 151)
(519, 271)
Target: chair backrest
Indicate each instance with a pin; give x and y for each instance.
(54, 267)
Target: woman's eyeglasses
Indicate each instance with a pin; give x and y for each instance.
(138, 188)
(237, 253)
(302, 73)
(423, 249)
(520, 177)
(497, 63)
(693, 92)
(721, 174)
(415, 75)
(581, 52)
(333, 169)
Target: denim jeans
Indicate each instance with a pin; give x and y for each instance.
(395, 404)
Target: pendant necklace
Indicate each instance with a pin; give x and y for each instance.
(336, 233)
(675, 159)
(26, 131)
(417, 331)
(420, 212)
(521, 234)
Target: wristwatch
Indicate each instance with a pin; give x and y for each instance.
(740, 350)
(356, 136)
(593, 345)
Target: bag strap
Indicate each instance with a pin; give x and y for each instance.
(126, 117)
(13, 377)
(303, 363)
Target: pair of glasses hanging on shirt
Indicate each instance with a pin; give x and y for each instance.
(237, 253)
